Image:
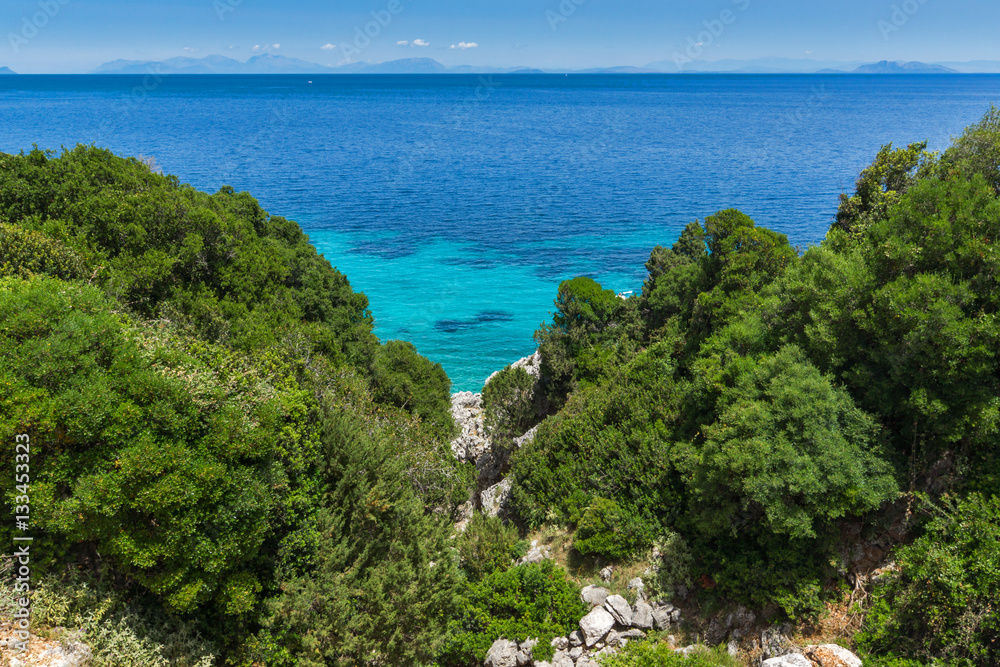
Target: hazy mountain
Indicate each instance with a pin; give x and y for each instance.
(975, 66)
(898, 67)
(754, 66)
(406, 66)
(267, 63)
(625, 69)
(274, 64)
(7, 70)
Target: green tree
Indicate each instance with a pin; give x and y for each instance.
(787, 452)
(509, 406)
(939, 603)
(403, 378)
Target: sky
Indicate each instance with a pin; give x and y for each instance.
(70, 36)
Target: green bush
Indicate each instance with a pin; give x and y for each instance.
(163, 250)
(533, 601)
(606, 530)
(121, 628)
(655, 654)
(610, 441)
(141, 448)
(787, 452)
(487, 545)
(381, 584)
(24, 252)
(403, 378)
(941, 603)
(509, 405)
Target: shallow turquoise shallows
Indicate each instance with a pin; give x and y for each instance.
(458, 203)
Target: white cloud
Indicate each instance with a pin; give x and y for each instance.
(465, 45)
(257, 48)
(191, 49)
(402, 42)
(420, 42)
(328, 47)
(276, 46)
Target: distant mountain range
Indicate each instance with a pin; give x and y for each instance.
(896, 67)
(7, 70)
(275, 64)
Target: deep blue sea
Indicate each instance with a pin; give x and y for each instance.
(458, 203)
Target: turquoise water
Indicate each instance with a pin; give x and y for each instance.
(458, 203)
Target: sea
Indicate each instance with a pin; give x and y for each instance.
(458, 203)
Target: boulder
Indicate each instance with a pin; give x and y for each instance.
(620, 609)
(606, 573)
(71, 654)
(562, 659)
(536, 554)
(642, 615)
(631, 634)
(662, 617)
(790, 660)
(595, 625)
(773, 643)
(575, 653)
(831, 655)
(560, 643)
(524, 652)
(503, 653)
(526, 438)
(594, 596)
(494, 499)
(467, 411)
(638, 586)
(576, 638)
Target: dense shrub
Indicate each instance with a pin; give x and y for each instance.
(218, 262)
(941, 602)
(384, 585)
(606, 530)
(158, 459)
(533, 601)
(403, 378)
(487, 545)
(24, 252)
(610, 442)
(655, 654)
(787, 451)
(509, 405)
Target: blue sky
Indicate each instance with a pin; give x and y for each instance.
(78, 35)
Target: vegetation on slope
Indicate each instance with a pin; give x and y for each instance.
(220, 445)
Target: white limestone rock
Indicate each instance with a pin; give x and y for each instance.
(620, 609)
(595, 596)
(503, 653)
(832, 655)
(494, 499)
(790, 660)
(596, 625)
